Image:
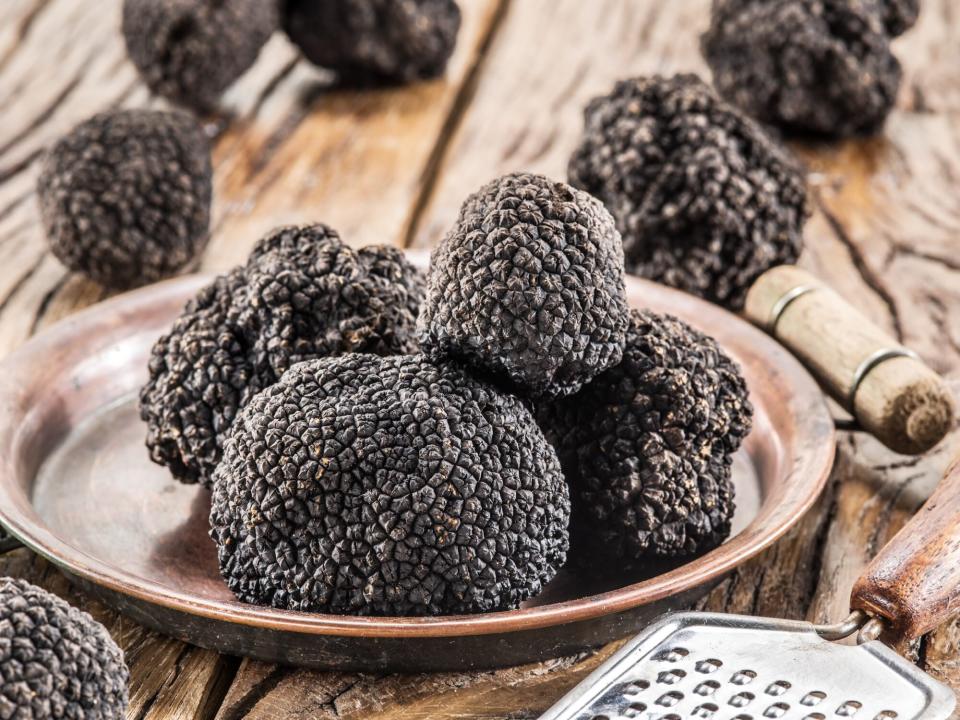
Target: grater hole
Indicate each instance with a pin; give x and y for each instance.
(633, 710)
(812, 698)
(671, 716)
(708, 666)
(776, 710)
(632, 688)
(706, 710)
(849, 708)
(743, 716)
(815, 716)
(672, 654)
(670, 699)
(778, 688)
(671, 677)
(744, 677)
(707, 688)
(601, 717)
(886, 715)
(741, 699)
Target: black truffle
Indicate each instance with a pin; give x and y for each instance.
(190, 51)
(705, 202)
(807, 66)
(56, 661)
(646, 447)
(371, 42)
(125, 196)
(528, 286)
(302, 294)
(387, 486)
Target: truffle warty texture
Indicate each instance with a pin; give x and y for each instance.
(387, 486)
(528, 286)
(302, 294)
(56, 661)
(125, 196)
(647, 446)
(190, 51)
(809, 66)
(375, 41)
(705, 202)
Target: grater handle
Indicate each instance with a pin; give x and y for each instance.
(914, 582)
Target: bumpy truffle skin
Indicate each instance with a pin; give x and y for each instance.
(372, 42)
(56, 661)
(125, 196)
(190, 51)
(646, 447)
(528, 286)
(705, 202)
(388, 486)
(899, 15)
(807, 66)
(302, 294)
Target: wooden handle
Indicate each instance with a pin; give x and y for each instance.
(892, 394)
(915, 580)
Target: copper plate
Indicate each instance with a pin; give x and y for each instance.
(76, 486)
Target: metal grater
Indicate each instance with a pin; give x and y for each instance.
(734, 667)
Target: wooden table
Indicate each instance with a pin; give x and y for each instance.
(393, 166)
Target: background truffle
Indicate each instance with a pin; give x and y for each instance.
(528, 285)
(125, 196)
(820, 66)
(646, 447)
(387, 486)
(375, 41)
(705, 202)
(56, 661)
(190, 51)
(302, 294)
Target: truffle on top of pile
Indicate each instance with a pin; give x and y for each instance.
(125, 196)
(370, 42)
(809, 66)
(647, 446)
(528, 286)
(387, 486)
(302, 294)
(56, 661)
(703, 199)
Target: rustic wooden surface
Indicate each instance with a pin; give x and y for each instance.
(393, 166)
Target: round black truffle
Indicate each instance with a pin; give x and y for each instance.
(302, 294)
(705, 202)
(190, 51)
(528, 286)
(807, 66)
(370, 42)
(646, 447)
(56, 661)
(125, 196)
(387, 486)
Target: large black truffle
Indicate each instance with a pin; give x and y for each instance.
(528, 285)
(56, 661)
(190, 51)
(705, 202)
(302, 294)
(370, 42)
(125, 196)
(387, 486)
(808, 66)
(647, 445)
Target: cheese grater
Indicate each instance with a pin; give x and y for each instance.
(710, 666)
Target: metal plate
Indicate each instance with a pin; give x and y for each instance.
(76, 486)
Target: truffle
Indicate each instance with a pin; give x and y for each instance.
(528, 286)
(372, 42)
(387, 486)
(190, 51)
(302, 294)
(704, 200)
(56, 661)
(646, 447)
(125, 196)
(807, 66)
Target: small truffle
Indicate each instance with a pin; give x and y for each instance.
(646, 447)
(528, 286)
(302, 294)
(374, 42)
(125, 196)
(705, 202)
(807, 66)
(387, 486)
(190, 51)
(56, 661)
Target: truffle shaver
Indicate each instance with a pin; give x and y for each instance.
(890, 392)
(732, 667)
